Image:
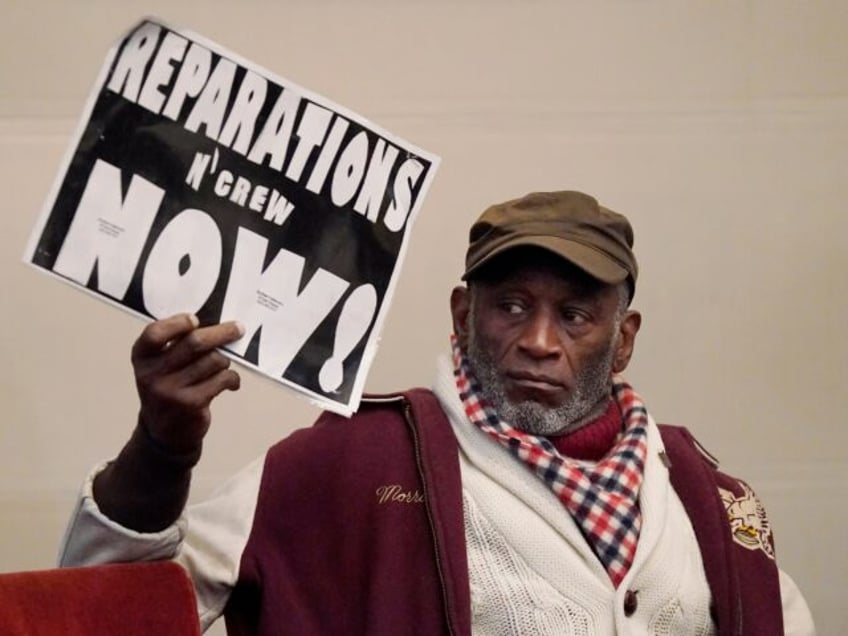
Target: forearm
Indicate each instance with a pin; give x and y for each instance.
(146, 487)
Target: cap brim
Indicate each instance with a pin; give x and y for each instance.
(595, 263)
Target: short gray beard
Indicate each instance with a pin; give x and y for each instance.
(592, 384)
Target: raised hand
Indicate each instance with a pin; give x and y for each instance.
(178, 373)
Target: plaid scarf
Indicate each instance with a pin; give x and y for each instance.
(601, 497)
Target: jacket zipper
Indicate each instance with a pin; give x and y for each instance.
(407, 414)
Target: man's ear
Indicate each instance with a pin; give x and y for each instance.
(460, 304)
(627, 331)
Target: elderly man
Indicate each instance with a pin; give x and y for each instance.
(528, 493)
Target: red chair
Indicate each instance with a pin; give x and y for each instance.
(138, 599)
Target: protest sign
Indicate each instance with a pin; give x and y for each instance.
(200, 182)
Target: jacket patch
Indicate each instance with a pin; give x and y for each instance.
(748, 522)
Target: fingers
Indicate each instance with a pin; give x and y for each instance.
(199, 342)
(192, 397)
(202, 369)
(157, 335)
(223, 380)
(178, 341)
(175, 406)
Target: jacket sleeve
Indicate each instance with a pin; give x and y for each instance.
(797, 618)
(91, 538)
(207, 540)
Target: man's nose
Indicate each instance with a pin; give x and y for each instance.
(541, 337)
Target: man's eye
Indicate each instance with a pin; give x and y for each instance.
(512, 308)
(574, 318)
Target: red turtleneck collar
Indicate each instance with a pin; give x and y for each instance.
(592, 441)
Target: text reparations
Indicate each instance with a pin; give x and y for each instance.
(238, 108)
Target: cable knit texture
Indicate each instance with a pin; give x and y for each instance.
(601, 496)
(532, 571)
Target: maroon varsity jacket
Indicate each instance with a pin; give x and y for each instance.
(359, 530)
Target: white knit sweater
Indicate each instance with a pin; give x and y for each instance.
(531, 570)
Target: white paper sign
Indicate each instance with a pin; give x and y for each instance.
(200, 182)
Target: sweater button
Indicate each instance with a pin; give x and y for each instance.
(630, 602)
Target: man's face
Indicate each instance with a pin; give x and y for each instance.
(544, 338)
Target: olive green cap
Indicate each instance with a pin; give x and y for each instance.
(570, 224)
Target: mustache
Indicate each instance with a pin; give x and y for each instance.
(535, 377)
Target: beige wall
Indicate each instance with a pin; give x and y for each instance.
(720, 127)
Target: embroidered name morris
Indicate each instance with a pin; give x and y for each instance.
(394, 493)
